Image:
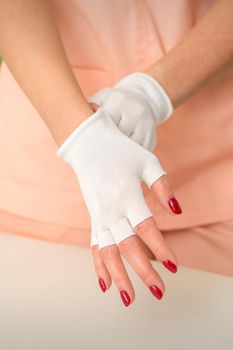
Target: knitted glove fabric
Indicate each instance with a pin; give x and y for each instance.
(109, 167)
(137, 104)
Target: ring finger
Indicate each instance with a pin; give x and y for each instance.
(111, 258)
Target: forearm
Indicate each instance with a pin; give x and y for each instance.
(204, 54)
(34, 53)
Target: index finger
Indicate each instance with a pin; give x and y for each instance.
(153, 238)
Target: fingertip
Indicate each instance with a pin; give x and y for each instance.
(171, 266)
(165, 195)
(175, 206)
(104, 281)
(102, 285)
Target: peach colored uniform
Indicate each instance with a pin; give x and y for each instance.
(105, 40)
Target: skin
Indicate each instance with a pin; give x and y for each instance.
(32, 48)
(208, 49)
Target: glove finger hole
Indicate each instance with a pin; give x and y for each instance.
(138, 210)
(105, 238)
(121, 229)
(152, 171)
(94, 238)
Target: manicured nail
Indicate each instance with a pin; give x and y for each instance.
(170, 265)
(102, 284)
(156, 291)
(125, 297)
(174, 205)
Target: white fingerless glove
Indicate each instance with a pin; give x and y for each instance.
(109, 167)
(137, 104)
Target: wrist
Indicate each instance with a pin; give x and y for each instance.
(72, 137)
(165, 73)
(70, 121)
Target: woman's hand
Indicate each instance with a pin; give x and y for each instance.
(137, 104)
(110, 168)
(138, 250)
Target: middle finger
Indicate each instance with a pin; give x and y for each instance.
(131, 249)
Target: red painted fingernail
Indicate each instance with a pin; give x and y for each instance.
(174, 205)
(170, 265)
(125, 297)
(156, 291)
(102, 284)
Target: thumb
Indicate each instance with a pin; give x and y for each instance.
(162, 190)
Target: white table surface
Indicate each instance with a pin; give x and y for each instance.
(51, 300)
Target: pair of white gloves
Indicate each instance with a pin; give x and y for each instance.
(110, 155)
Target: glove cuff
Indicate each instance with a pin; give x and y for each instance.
(154, 94)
